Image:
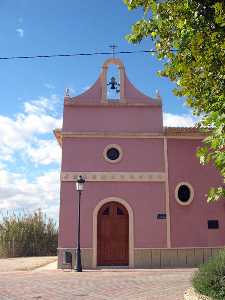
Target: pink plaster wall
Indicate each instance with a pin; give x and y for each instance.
(189, 225)
(86, 154)
(146, 200)
(112, 118)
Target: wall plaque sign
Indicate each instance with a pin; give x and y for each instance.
(161, 216)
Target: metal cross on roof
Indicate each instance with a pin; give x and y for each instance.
(113, 47)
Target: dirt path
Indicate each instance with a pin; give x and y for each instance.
(51, 266)
(24, 263)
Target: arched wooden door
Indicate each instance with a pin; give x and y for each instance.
(113, 235)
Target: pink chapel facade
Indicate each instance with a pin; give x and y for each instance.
(144, 201)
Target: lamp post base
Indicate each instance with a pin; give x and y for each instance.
(78, 266)
(78, 269)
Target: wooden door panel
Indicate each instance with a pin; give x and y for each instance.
(113, 233)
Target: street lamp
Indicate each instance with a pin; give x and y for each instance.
(79, 186)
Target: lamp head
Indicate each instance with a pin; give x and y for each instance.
(80, 183)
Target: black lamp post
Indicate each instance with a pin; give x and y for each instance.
(79, 186)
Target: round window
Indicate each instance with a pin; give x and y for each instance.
(184, 193)
(112, 153)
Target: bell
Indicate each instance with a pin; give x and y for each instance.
(113, 83)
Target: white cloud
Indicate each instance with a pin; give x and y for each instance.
(20, 32)
(42, 105)
(184, 120)
(25, 142)
(44, 152)
(18, 193)
(22, 133)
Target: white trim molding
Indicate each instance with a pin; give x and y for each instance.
(191, 193)
(115, 176)
(60, 135)
(106, 134)
(131, 228)
(117, 147)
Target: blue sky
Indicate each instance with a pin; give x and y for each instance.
(32, 90)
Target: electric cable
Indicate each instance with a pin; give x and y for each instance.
(79, 54)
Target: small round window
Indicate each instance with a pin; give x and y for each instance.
(184, 193)
(112, 153)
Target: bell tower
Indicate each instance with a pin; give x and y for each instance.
(114, 84)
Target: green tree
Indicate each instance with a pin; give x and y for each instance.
(189, 36)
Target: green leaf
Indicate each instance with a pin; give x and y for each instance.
(196, 29)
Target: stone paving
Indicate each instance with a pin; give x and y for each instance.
(95, 285)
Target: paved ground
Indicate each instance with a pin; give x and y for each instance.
(24, 263)
(95, 285)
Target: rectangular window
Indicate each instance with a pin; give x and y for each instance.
(213, 224)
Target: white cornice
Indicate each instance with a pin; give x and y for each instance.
(173, 134)
(120, 103)
(99, 134)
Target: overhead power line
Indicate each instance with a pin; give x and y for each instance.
(77, 54)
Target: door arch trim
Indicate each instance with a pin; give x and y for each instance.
(131, 228)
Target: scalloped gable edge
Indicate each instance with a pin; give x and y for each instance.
(96, 94)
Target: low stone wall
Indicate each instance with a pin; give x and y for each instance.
(145, 258)
(86, 254)
(172, 258)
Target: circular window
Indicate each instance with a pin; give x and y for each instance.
(184, 193)
(112, 153)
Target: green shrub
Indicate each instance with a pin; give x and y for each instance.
(27, 234)
(209, 280)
